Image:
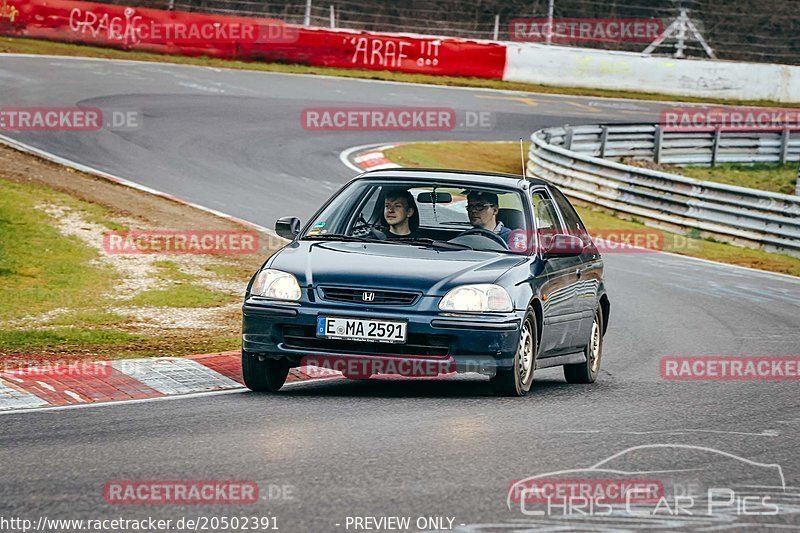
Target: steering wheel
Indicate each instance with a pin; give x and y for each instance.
(483, 232)
(362, 228)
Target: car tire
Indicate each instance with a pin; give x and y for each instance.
(587, 372)
(517, 380)
(262, 374)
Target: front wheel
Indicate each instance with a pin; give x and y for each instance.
(517, 381)
(587, 372)
(262, 374)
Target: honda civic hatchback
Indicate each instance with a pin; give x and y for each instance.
(463, 271)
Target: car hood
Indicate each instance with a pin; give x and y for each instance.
(392, 266)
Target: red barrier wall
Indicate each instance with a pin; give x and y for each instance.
(252, 39)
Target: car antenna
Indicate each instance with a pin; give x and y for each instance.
(522, 157)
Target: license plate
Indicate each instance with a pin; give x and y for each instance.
(361, 329)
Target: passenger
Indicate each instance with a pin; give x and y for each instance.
(482, 209)
(400, 215)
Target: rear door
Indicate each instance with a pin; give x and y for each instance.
(561, 316)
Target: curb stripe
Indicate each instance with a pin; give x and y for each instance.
(172, 375)
(13, 398)
(374, 160)
(227, 364)
(57, 389)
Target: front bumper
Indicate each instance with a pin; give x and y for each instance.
(471, 342)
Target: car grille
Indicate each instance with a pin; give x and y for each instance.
(304, 337)
(381, 297)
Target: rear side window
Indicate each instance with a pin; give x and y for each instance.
(571, 217)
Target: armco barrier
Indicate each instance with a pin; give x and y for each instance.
(252, 39)
(573, 159)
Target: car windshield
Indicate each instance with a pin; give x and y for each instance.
(447, 215)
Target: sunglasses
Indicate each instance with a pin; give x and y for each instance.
(477, 207)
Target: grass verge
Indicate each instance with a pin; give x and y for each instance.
(34, 46)
(63, 293)
(40, 269)
(766, 177)
(180, 296)
(504, 157)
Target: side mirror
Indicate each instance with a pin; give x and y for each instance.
(287, 227)
(563, 245)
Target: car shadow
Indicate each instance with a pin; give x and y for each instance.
(389, 387)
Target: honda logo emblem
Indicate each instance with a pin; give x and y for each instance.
(368, 296)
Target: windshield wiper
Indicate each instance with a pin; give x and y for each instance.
(437, 244)
(338, 237)
(419, 240)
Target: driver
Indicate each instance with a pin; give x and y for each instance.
(482, 209)
(400, 214)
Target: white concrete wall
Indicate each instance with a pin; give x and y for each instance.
(601, 69)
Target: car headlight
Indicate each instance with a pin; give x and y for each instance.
(482, 297)
(276, 284)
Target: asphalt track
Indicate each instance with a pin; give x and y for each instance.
(232, 141)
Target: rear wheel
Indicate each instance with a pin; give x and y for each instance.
(517, 380)
(587, 372)
(262, 374)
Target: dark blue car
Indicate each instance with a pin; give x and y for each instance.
(431, 269)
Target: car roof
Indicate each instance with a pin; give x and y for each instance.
(443, 174)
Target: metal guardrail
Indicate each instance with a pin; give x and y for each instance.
(653, 142)
(576, 159)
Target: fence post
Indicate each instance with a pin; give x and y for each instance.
(333, 18)
(496, 27)
(603, 141)
(307, 14)
(784, 156)
(658, 140)
(550, 21)
(797, 183)
(568, 140)
(715, 145)
(171, 5)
